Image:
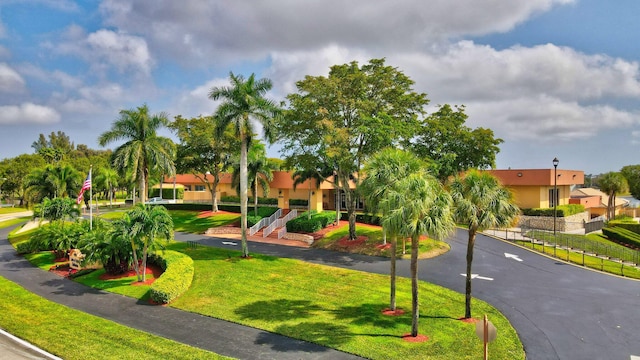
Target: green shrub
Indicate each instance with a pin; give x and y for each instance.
(236, 200)
(622, 236)
(302, 224)
(326, 217)
(362, 218)
(252, 220)
(298, 202)
(177, 276)
(263, 211)
(562, 211)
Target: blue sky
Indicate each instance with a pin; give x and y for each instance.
(552, 78)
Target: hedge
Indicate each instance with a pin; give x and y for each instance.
(623, 236)
(263, 211)
(362, 218)
(298, 202)
(236, 199)
(167, 193)
(562, 211)
(177, 276)
(631, 226)
(302, 224)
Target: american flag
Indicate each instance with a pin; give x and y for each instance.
(85, 186)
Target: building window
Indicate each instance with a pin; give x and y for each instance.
(199, 187)
(187, 187)
(554, 197)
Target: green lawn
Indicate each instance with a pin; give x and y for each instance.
(336, 307)
(188, 221)
(73, 334)
(11, 210)
(428, 247)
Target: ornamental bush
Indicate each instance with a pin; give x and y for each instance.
(177, 276)
(622, 236)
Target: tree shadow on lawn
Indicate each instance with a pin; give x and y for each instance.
(279, 310)
(328, 334)
(371, 314)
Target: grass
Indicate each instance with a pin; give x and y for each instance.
(12, 222)
(11, 210)
(73, 334)
(373, 244)
(189, 221)
(336, 307)
(593, 262)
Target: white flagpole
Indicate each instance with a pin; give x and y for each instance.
(91, 199)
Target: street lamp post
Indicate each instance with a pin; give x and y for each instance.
(555, 193)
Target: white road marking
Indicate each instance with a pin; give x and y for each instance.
(511, 256)
(476, 276)
(634, 357)
(229, 243)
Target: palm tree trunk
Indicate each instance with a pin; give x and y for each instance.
(467, 302)
(136, 266)
(392, 273)
(309, 202)
(243, 195)
(255, 196)
(144, 263)
(415, 309)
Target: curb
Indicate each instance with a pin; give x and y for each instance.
(29, 345)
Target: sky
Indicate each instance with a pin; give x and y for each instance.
(552, 78)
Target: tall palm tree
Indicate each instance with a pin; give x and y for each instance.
(612, 183)
(108, 178)
(383, 171)
(310, 176)
(418, 205)
(480, 202)
(259, 172)
(243, 102)
(143, 148)
(53, 181)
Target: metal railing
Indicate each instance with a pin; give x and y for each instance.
(265, 222)
(279, 223)
(571, 243)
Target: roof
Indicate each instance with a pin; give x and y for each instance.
(583, 192)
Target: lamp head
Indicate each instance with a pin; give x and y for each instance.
(555, 162)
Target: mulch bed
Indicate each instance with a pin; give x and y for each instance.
(63, 270)
(204, 214)
(415, 339)
(396, 312)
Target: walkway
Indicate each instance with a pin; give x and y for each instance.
(211, 334)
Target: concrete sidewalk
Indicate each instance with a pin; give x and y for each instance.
(211, 334)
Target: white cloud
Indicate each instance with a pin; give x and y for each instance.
(546, 119)
(28, 113)
(194, 31)
(106, 49)
(10, 80)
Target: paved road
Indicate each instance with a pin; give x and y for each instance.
(560, 311)
(201, 331)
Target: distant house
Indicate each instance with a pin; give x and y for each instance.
(536, 188)
(323, 197)
(595, 201)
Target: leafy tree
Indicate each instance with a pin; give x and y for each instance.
(59, 209)
(452, 146)
(384, 170)
(107, 179)
(242, 102)
(417, 205)
(259, 172)
(309, 175)
(481, 203)
(111, 248)
(143, 226)
(55, 149)
(348, 116)
(202, 152)
(52, 181)
(143, 148)
(632, 174)
(612, 183)
(15, 171)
